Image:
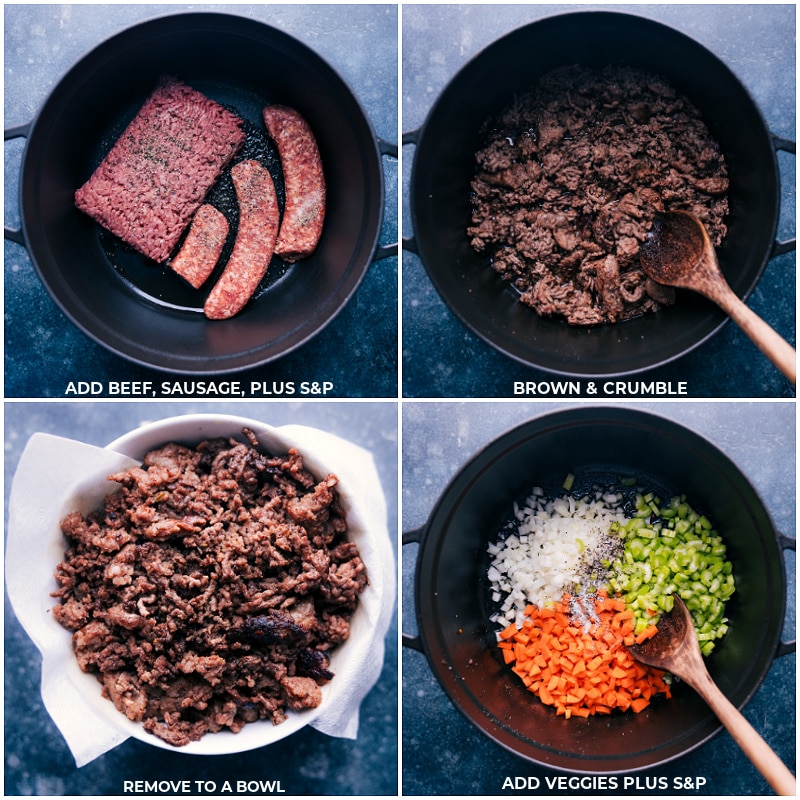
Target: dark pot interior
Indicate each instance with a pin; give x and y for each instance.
(444, 165)
(140, 310)
(454, 626)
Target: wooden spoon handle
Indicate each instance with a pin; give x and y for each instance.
(773, 346)
(762, 756)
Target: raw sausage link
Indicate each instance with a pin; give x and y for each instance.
(304, 180)
(259, 218)
(202, 246)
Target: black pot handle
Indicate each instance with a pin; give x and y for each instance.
(781, 143)
(788, 146)
(17, 132)
(786, 543)
(413, 537)
(387, 148)
(385, 250)
(411, 138)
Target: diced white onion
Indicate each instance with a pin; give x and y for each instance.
(556, 538)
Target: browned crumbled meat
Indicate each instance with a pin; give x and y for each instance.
(209, 590)
(301, 692)
(570, 178)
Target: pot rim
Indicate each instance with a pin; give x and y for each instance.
(506, 344)
(190, 362)
(481, 461)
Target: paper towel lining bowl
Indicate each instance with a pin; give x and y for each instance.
(190, 430)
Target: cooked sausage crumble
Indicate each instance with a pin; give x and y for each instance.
(210, 588)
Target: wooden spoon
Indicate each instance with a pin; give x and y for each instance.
(675, 649)
(678, 252)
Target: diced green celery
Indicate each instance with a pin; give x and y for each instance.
(667, 550)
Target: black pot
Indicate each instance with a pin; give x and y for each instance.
(143, 312)
(444, 165)
(458, 639)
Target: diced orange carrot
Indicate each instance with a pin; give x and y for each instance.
(580, 672)
(510, 632)
(618, 672)
(648, 633)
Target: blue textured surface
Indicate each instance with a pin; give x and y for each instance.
(443, 753)
(37, 761)
(756, 41)
(44, 351)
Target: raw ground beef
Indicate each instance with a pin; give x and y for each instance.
(570, 178)
(158, 172)
(210, 589)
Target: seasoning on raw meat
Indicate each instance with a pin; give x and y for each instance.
(201, 249)
(158, 172)
(304, 179)
(259, 217)
(211, 588)
(570, 178)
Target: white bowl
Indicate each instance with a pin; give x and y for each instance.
(320, 455)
